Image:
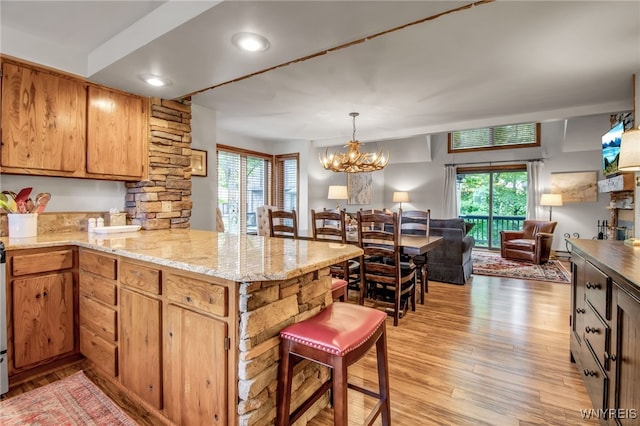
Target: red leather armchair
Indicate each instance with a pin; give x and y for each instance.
(532, 243)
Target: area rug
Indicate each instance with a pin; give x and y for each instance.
(490, 263)
(74, 400)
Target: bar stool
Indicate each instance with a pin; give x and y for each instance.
(339, 290)
(337, 337)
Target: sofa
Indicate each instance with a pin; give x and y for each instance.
(450, 262)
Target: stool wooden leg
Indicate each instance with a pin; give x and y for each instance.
(340, 397)
(285, 376)
(383, 376)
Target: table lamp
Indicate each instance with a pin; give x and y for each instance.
(338, 192)
(551, 200)
(401, 197)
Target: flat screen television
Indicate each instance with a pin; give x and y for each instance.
(611, 149)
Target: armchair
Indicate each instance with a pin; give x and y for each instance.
(532, 243)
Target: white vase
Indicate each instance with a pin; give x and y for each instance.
(23, 225)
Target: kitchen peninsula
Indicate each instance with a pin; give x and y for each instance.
(185, 320)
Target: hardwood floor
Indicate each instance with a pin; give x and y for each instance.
(494, 352)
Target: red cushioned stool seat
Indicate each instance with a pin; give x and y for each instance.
(339, 289)
(336, 337)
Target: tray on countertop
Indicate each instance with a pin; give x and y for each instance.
(116, 229)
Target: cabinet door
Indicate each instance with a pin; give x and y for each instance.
(43, 121)
(140, 343)
(116, 134)
(625, 361)
(42, 317)
(196, 376)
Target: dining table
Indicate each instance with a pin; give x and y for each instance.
(411, 245)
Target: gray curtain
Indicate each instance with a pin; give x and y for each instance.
(450, 207)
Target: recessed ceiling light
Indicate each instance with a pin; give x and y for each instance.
(250, 42)
(155, 80)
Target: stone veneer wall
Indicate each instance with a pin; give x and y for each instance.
(164, 201)
(266, 308)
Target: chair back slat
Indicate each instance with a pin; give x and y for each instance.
(328, 225)
(415, 222)
(283, 223)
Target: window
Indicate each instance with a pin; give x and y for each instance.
(286, 184)
(493, 199)
(511, 136)
(246, 180)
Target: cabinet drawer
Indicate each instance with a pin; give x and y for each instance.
(99, 288)
(198, 294)
(98, 318)
(101, 353)
(596, 382)
(42, 262)
(141, 277)
(598, 290)
(596, 333)
(98, 264)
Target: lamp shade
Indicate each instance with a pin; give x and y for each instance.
(551, 200)
(338, 192)
(630, 151)
(401, 197)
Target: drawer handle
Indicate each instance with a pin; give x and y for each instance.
(594, 286)
(590, 329)
(610, 357)
(188, 299)
(580, 311)
(590, 373)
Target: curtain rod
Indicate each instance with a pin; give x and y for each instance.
(493, 162)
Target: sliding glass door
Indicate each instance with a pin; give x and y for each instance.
(493, 199)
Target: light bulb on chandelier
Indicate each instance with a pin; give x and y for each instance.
(354, 161)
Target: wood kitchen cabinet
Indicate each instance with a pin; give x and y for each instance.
(141, 362)
(98, 310)
(117, 130)
(54, 124)
(43, 122)
(197, 345)
(41, 306)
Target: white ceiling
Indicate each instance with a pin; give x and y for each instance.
(493, 63)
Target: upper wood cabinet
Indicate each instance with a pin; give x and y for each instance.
(116, 133)
(60, 125)
(43, 121)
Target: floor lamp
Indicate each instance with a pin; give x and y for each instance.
(551, 200)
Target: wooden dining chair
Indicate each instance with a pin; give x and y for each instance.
(330, 225)
(383, 279)
(283, 223)
(417, 222)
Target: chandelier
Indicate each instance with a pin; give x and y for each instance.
(354, 161)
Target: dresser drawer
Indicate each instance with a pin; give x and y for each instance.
(42, 262)
(101, 353)
(198, 294)
(99, 288)
(595, 381)
(597, 334)
(140, 277)
(100, 319)
(98, 264)
(598, 290)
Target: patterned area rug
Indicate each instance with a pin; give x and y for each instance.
(74, 400)
(490, 263)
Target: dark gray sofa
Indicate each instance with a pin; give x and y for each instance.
(451, 261)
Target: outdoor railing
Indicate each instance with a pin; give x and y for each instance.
(480, 230)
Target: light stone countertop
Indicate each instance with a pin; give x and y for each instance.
(228, 256)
